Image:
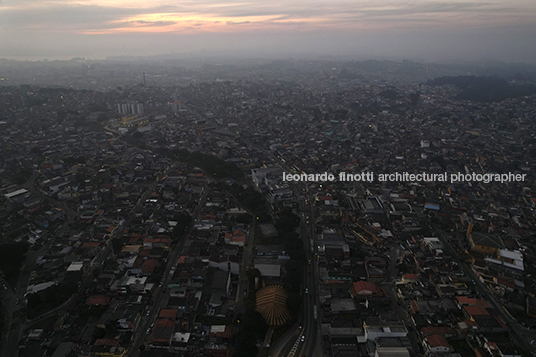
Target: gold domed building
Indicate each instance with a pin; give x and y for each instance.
(272, 305)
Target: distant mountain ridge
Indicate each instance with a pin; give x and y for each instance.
(486, 88)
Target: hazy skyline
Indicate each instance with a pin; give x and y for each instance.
(416, 29)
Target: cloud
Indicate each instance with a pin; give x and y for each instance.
(86, 15)
(237, 23)
(23, 21)
(151, 23)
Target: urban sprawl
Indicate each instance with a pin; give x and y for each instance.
(170, 213)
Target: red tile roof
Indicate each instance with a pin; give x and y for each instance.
(414, 306)
(225, 334)
(106, 342)
(165, 323)
(138, 261)
(101, 300)
(506, 282)
(149, 265)
(437, 330)
(144, 252)
(410, 276)
(437, 341)
(476, 310)
(168, 313)
(364, 287)
(467, 301)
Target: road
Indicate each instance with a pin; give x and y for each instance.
(247, 261)
(15, 313)
(389, 285)
(284, 344)
(304, 338)
(311, 346)
(312, 343)
(521, 336)
(17, 318)
(159, 296)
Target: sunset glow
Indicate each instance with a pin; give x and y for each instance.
(23, 22)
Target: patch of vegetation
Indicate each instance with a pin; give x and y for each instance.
(259, 239)
(253, 328)
(22, 176)
(2, 318)
(485, 89)
(253, 200)
(287, 221)
(213, 165)
(54, 296)
(12, 257)
(462, 347)
(279, 331)
(184, 220)
(294, 303)
(293, 279)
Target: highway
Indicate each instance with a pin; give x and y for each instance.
(305, 337)
(312, 343)
(247, 261)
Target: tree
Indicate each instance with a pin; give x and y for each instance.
(117, 245)
(12, 256)
(293, 278)
(263, 217)
(244, 218)
(99, 333)
(414, 97)
(253, 273)
(245, 343)
(183, 223)
(254, 322)
(294, 303)
(287, 221)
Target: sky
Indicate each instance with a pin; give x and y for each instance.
(426, 30)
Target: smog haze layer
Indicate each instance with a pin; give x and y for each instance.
(418, 29)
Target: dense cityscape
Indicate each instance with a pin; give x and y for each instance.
(267, 208)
